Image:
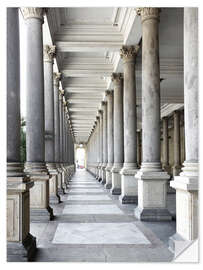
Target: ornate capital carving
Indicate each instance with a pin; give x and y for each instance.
(108, 92)
(33, 12)
(103, 103)
(148, 13)
(49, 53)
(128, 53)
(56, 77)
(61, 94)
(116, 77)
(97, 118)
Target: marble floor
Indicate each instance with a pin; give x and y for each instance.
(91, 225)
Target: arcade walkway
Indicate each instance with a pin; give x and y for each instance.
(91, 225)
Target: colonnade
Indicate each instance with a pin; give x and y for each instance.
(49, 143)
(137, 173)
(126, 160)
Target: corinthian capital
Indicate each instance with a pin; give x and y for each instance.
(61, 94)
(128, 53)
(33, 12)
(148, 13)
(116, 77)
(57, 77)
(49, 53)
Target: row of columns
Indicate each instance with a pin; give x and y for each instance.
(146, 185)
(49, 143)
(176, 144)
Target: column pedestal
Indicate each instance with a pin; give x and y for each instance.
(40, 211)
(108, 184)
(60, 183)
(100, 173)
(152, 205)
(129, 186)
(186, 186)
(116, 179)
(53, 183)
(103, 174)
(21, 245)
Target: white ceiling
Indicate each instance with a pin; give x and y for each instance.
(88, 41)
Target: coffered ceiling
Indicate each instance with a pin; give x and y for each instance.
(88, 41)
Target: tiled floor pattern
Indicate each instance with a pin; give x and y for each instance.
(91, 225)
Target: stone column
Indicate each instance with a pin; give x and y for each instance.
(165, 163)
(129, 187)
(56, 77)
(152, 179)
(21, 245)
(64, 103)
(35, 133)
(117, 133)
(105, 149)
(101, 144)
(61, 94)
(49, 52)
(186, 184)
(110, 139)
(98, 146)
(176, 143)
(139, 155)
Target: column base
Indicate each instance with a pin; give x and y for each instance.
(153, 214)
(152, 193)
(108, 186)
(129, 186)
(103, 174)
(116, 191)
(176, 170)
(116, 179)
(127, 199)
(61, 191)
(41, 215)
(186, 186)
(22, 252)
